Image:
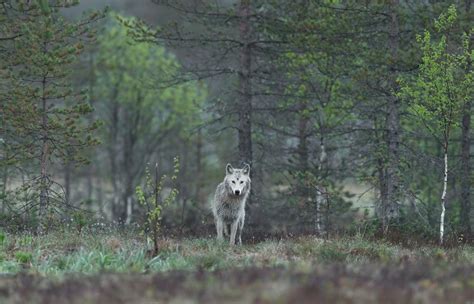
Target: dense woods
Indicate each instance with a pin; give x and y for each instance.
(355, 116)
(236, 151)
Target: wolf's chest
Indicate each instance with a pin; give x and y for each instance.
(230, 209)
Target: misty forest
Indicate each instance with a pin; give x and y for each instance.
(346, 123)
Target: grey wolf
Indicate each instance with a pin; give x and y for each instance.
(228, 206)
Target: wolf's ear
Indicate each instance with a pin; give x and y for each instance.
(246, 169)
(229, 169)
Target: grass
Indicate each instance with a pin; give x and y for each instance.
(61, 253)
(103, 267)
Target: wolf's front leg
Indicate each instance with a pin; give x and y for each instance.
(220, 229)
(226, 229)
(233, 231)
(240, 228)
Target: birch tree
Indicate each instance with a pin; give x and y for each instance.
(440, 89)
(143, 119)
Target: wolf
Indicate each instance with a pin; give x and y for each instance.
(229, 201)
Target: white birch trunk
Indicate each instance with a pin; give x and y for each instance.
(129, 211)
(320, 191)
(443, 198)
(318, 210)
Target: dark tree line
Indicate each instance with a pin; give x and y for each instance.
(307, 92)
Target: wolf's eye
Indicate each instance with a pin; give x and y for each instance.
(241, 182)
(233, 182)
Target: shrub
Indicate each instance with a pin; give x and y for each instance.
(152, 197)
(23, 257)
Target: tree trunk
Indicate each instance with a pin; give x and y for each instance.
(303, 153)
(245, 94)
(443, 197)
(90, 186)
(4, 188)
(393, 127)
(133, 121)
(182, 183)
(67, 181)
(466, 172)
(44, 197)
(114, 125)
(199, 193)
(305, 184)
(155, 221)
(465, 210)
(44, 179)
(100, 198)
(90, 168)
(381, 175)
(318, 210)
(128, 186)
(321, 191)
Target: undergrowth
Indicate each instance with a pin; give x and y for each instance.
(60, 253)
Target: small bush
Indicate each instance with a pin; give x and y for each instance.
(208, 262)
(331, 253)
(80, 220)
(23, 257)
(3, 239)
(153, 198)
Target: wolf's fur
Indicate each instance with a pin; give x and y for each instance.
(228, 206)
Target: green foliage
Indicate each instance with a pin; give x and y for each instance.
(140, 77)
(148, 109)
(43, 114)
(322, 72)
(80, 219)
(443, 83)
(41, 89)
(442, 86)
(313, 108)
(330, 253)
(153, 197)
(3, 238)
(23, 257)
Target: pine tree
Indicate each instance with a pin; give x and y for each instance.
(43, 111)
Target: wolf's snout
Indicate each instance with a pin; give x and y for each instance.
(237, 192)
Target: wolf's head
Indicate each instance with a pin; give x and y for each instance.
(237, 181)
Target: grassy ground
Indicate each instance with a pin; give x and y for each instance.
(100, 267)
